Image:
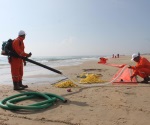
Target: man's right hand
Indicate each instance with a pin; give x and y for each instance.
(29, 55)
(129, 67)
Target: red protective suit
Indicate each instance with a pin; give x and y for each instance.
(17, 63)
(142, 68)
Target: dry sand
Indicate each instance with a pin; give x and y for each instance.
(106, 105)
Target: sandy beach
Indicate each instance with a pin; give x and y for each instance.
(103, 105)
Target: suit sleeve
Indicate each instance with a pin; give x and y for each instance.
(18, 49)
(139, 65)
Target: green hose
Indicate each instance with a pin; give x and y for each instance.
(9, 102)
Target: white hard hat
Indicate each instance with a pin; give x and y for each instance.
(134, 56)
(21, 32)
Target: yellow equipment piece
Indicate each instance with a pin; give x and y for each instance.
(91, 78)
(65, 84)
(83, 75)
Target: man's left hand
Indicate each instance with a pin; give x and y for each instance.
(25, 63)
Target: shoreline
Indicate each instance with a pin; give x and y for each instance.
(32, 71)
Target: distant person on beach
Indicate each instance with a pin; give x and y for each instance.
(117, 55)
(113, 56)
(17, 63)
(141, 69)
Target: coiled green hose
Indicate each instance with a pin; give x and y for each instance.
(9, 102)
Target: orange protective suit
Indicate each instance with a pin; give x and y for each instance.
(142, 68)
(17, 63)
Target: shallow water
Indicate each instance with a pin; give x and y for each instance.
(37, 74)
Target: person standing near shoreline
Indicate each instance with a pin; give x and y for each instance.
(17, 63)
(142, 68)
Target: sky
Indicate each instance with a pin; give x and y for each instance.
(78, 27)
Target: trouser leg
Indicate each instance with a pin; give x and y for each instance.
(20, 77)
(143, 72)
(15, 71)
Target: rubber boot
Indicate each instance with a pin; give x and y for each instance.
(21, 85)
(17, 87)
(146, 79)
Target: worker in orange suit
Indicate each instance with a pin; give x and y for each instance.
(17, 63)
(141, 69)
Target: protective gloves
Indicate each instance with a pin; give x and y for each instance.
(29, 55)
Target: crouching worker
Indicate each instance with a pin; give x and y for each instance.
(17, 63)
(141, 69)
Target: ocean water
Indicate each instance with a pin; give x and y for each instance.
(31, 71)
